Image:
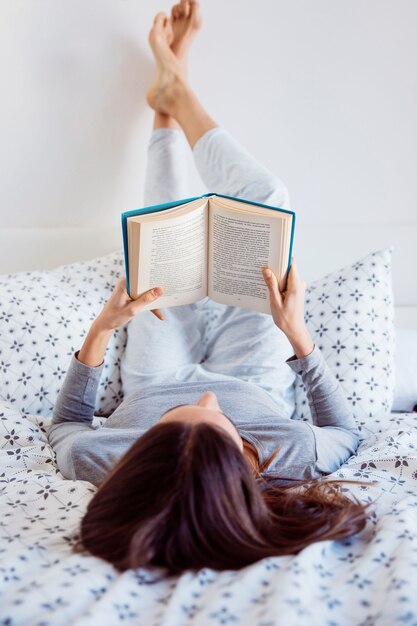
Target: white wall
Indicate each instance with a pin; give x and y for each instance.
(323, 92)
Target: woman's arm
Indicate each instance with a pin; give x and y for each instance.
(335, 429)
(328, 403)
(74, 409)
(327, 400)
(287, 308)
(77, 396)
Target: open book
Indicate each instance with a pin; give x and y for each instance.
(211, 245)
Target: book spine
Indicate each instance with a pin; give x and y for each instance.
(125, 251)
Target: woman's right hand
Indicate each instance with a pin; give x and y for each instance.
(287, 308)
(118, 310)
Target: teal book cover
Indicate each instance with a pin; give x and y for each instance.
(170, 205)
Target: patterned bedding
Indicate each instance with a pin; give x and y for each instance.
(367, 580)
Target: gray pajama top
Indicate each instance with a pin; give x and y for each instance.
(307, 450)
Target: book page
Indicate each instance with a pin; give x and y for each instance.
(176, 211)
(173, 255)
(287, 218)
(239, 246)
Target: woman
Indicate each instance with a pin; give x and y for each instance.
(197, 466)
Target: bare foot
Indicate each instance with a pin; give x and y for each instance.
(170, 78)
(185, 23)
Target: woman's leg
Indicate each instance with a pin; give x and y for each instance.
(164, 351)
(166, 176)
(237, 342)
(225, 166)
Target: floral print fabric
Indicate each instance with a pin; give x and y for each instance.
(369, 579)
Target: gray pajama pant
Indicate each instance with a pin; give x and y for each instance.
(206, 341)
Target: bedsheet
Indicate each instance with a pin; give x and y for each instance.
(366, 580)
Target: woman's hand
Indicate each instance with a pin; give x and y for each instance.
(118, 310)
(287, 308)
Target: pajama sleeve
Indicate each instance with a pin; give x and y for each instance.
(334, 427)
(73, 412)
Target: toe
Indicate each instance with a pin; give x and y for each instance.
(194, 5)
(195, 13)
(186, 8)
(181, 9)
(175, 11)
(161, 30)
(159, 19)
(162, 22)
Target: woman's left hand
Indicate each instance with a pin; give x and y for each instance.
(120, 308)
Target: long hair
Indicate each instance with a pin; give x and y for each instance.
(184, 497)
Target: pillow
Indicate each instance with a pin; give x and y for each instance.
(44, 317)
(405, 394)
(350, 314)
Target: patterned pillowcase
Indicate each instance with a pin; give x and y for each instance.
(350, 315)
(44, 317)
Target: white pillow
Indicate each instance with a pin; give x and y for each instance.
(44, 317)
(350, 315)
(405, 395)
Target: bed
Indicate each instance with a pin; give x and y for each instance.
(367, 580)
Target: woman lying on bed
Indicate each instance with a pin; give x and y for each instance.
(195, 467)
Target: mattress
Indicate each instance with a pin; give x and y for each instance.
(368, 579)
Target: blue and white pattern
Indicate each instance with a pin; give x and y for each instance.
(44, 317)
(350, 315)
(367, 580)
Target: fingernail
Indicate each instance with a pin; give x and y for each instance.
(157, 291)
(268, 273)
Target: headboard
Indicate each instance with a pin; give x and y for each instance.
(319, 249)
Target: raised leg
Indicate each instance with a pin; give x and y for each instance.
(225, 166)
(164, 351)
(166, 177)
(241, 343)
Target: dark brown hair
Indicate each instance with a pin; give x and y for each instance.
(184, 497)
